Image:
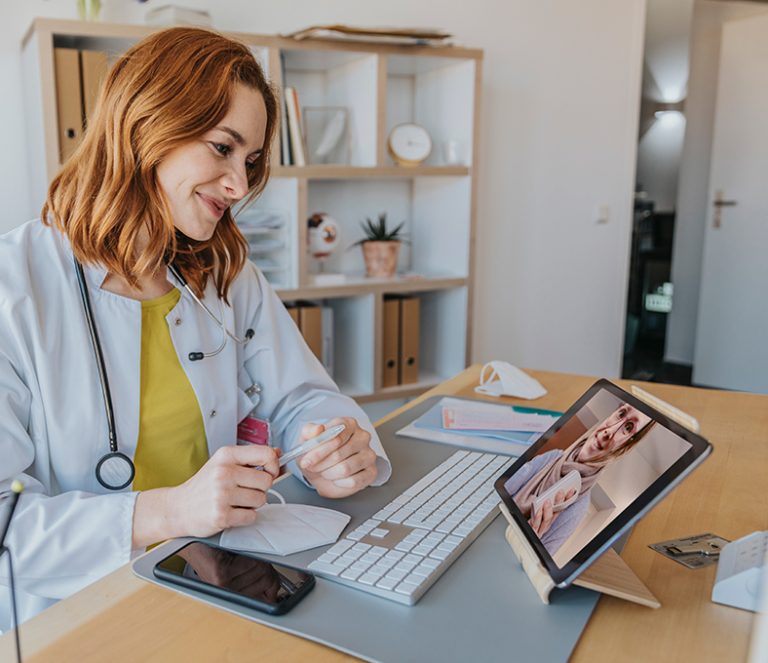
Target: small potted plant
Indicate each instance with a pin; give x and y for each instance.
(380, 247)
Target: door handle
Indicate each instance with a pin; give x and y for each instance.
(719, 202)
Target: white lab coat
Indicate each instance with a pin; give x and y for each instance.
(68, 530)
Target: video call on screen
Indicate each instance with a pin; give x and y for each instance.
(589, 471)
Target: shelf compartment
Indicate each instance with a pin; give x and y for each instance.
(443, 342)
(353, 340)
(437, 93)
(274, 245)
(435, 211)
(326, 78)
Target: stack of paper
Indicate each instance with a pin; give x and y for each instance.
(403, 36)
(488, 427)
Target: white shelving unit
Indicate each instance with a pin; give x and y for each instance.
(380, 86)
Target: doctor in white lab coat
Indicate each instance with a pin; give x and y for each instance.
(182, 132)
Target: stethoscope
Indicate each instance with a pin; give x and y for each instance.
(115, 470)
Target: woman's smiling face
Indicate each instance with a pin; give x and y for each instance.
(204, 177)
(613, 433)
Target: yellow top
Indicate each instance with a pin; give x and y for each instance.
(172, 444)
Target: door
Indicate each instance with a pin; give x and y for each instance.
(731, 349)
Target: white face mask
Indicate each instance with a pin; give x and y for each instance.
(498, 378)
(284, 529)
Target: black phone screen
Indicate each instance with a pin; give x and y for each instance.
(234, 573)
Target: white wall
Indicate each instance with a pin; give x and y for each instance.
(693, 191)
(665, 79)
(559, 129)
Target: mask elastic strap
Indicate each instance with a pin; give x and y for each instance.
(483, 379)
(277, 495)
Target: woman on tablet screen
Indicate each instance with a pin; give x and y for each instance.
(589, 456)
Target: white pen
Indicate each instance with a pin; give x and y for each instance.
(311, 444)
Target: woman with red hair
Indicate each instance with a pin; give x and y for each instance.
(134, 290)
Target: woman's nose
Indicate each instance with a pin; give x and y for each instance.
(236, 182)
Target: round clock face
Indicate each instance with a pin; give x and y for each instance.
(409, 144)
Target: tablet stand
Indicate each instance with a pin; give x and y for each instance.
(608, 574)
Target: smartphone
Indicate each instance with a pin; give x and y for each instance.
(571, 481)
(243, 579)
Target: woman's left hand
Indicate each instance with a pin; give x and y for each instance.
(343, 465)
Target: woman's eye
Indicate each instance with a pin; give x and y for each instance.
(250, 165)
(629, 427)
(622, 413)
(222, 148)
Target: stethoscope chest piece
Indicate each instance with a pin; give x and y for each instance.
(115, 471)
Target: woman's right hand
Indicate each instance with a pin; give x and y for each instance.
(542, 520)
(225, 492)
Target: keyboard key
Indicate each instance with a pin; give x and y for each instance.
(323, 567)
(340, 547)
(378, 550)
(404, 546)
(387, 583)
(422, 570)
(326, 557)
(430, 563)
(453, 539)
(351, 574)
(369, 578)
(414, 579)
(397, 574)
(407, 588)
(361, 547)
(379, 533)
(439, 554)
(422, 549)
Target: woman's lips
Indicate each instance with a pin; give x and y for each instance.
(216, 208)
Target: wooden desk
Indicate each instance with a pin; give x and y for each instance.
(121, 618)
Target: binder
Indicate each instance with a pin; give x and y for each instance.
(391, 343)
(68, 99)
(311, 325)
(94, 68)
(409, 340)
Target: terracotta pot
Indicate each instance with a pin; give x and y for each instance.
(380, 258)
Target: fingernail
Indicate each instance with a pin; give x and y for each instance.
(345, 483)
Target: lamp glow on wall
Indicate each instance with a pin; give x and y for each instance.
(663, 109)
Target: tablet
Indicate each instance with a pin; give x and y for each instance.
(627, 455)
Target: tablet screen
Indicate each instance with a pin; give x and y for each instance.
(591, 470)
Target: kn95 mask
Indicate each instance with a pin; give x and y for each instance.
(284, 529)
(498, 378)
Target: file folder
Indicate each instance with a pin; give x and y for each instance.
(409, 340)
(94, 69)
(391, 343)
(68, 99)
(311, 326)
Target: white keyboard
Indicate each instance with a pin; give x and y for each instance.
(402, 549)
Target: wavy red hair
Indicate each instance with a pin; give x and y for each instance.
(165, 91)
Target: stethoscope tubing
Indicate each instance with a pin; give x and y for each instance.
(114, 453)
(99, 357)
